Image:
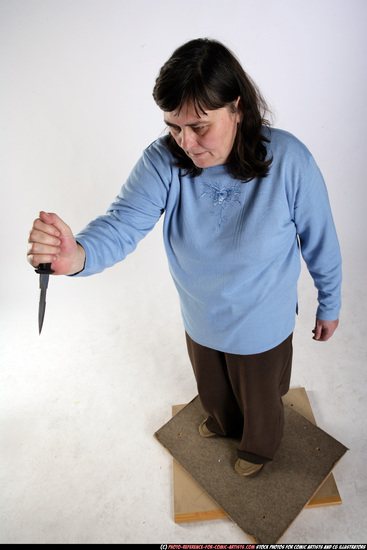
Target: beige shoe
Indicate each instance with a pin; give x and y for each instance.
(244, 468)
(204, 430)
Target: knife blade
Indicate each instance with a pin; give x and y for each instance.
(44, 271)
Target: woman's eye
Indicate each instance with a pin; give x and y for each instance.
(176, 130)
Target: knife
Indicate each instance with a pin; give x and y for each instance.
(44, 271)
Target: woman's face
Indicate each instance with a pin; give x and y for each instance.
(207, 139)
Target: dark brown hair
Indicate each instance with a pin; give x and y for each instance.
(207, 74)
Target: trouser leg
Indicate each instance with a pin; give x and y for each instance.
(244, 391)
(258, 382)
(214, 388)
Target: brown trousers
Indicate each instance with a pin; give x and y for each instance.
(242, 395)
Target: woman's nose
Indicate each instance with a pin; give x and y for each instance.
(188, 139)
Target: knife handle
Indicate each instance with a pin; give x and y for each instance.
(44, 269)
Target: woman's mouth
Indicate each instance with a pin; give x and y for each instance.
(196, 155)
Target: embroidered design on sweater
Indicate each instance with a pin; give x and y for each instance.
(222, 198)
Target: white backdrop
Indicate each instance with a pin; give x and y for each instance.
(77, 107)
(76, 111)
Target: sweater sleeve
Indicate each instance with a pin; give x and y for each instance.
(318, 240)
(141, 202)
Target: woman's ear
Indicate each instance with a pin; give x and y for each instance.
(238, 108)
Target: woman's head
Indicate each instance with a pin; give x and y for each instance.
(202, 72)
(205, 76)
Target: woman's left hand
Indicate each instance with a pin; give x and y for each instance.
(324, 329)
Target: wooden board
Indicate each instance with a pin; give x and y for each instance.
(264, 505)
(192, 503)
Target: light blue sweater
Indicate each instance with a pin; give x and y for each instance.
(233, 248)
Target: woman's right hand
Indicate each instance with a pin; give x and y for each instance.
(52, 241)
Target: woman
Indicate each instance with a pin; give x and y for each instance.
(240, 200)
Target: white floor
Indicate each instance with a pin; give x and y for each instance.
(80, 404)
